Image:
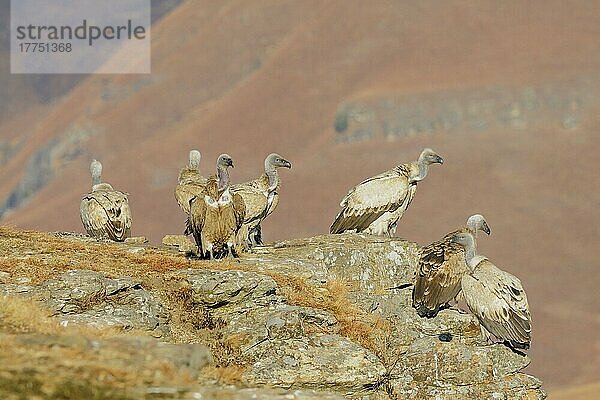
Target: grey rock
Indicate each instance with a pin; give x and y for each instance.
(318, 362)
(430, 368)
(89, 297)
(182, 242)
(432, 361)
(233, 393)
(298, 350)
(230, 289)
(375, 264)
(276, 321)
(514, 387)
(126, 352)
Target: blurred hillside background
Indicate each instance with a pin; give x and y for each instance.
(508, 92)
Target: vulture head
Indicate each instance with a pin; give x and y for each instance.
(274, 160)
(96, 171)
(478, 223)
(224, 161)
(429, 156)
(194, 159)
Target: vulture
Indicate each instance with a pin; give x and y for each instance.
(261, 197)
(440, 269)
(496, 297)
(105, 211)
(376, 204)
(190, 182)
(216, 215)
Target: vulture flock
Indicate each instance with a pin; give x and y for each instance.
(225, 220)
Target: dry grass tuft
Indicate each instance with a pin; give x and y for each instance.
(41, 256)
(229, 375)
(21, 315)
(370, 331)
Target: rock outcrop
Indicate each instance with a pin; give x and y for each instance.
(326, 317)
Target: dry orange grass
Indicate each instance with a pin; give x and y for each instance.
(361, 327)
(20, 315)
(60, 359)
(41, 256)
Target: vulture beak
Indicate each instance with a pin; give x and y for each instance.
(287, 164)
(439, 159)
(486, 228)
(230, 163)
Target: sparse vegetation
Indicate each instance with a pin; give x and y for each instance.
(40, 357)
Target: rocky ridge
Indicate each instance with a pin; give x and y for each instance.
(323, 317)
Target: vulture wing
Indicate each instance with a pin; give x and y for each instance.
(497, 298)
(370, 199)
(439, 272)
(106, 213)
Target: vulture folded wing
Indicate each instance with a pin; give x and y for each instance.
(254, 200)
(106, 214)
(500, 302)
(239, 209)
(93, 216)
(369, 200)
(196, 219)
(509, 288)
(439, 272)
(184, 194)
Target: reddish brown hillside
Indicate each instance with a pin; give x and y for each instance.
(506, 93)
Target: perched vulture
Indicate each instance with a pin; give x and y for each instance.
(376, 205)
(495, 297)
(190, 182)
(261, 197)
(105, 212)
(217, 215)
(441, 267)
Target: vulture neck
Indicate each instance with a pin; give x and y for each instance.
(272, 175)
(194, 163)
(471, 258)
(422, 168)
(223, 176)
(96, 179)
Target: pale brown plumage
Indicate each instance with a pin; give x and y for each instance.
(104, 211)
(440, 269)
(495, 297)
(376, 204)
(261, 197)
(190, 182)
(217, 215)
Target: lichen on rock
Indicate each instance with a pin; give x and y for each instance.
(325, 317)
